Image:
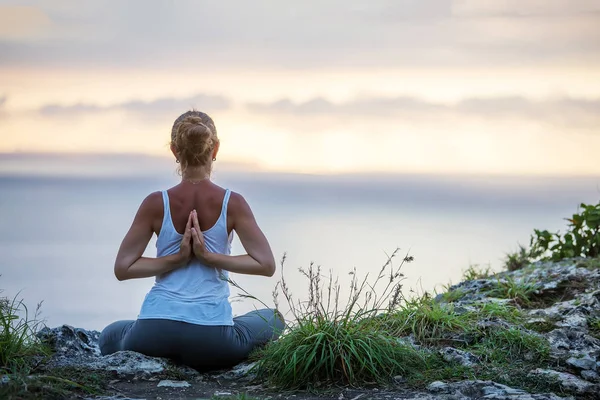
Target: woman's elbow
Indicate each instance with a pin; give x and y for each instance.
(269, 268)
(120, 272)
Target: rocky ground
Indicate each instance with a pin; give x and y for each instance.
(560, 300)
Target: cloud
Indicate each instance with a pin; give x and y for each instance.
(22, 22)
(166, 105)
(559, 111)
(159, 33)
(518, 8)
(3, 100)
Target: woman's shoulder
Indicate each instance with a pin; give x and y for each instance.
(152, 202)
(237, 203)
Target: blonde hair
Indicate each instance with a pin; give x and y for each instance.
(194, 137)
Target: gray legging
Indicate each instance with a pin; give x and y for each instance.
(199, 346)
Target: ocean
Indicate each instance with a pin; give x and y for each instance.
(59, 234)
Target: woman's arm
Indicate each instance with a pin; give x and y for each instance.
(130, 264)
(258, 261)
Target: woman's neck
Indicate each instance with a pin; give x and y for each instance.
(195, 174)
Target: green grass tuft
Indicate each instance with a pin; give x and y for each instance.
(426, 320)
(341, 352)
(594, 326)
(504, 346)
(520, 291)
(18, 344)
(475, 272)
(517, 260)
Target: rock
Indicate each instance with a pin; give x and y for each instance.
(173, 384)
(437, 386)
(71, 341)
(567, 381)
(590, 376)
(243, 372)
(466, 390)
(4, 379)
(584, 363)
(129, 364)
(573, 342)
(452, 355)
(78, 348)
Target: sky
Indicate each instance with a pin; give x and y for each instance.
(396, 86)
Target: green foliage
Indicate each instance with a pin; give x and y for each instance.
(581, 240)
(517, 260)
(18, 343)
(476, 271)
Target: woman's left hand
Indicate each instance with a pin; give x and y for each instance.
(198, 246)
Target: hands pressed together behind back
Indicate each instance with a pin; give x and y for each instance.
(192, 243)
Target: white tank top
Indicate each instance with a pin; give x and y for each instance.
(196, 293)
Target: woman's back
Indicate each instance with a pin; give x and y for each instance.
(196, 293)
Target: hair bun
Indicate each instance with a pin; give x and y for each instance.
(194, 141)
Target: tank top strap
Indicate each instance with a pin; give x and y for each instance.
(225, 203)
(166, 209)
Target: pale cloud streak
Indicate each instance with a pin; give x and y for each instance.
(310, 34)
(162, 106)
(570, 112)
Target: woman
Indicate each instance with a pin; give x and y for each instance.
(187, 316)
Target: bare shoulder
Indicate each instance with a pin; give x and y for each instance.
(237, 203)
(151, 204)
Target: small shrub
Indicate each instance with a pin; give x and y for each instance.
(581, 240)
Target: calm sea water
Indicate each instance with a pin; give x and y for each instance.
(59, 236)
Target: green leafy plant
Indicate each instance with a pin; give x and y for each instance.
(581, 240)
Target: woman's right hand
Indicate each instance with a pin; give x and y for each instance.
(185, 250)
